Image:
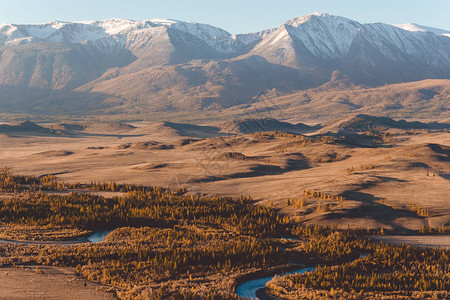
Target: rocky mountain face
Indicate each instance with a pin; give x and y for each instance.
(370, 53)
(126, 66)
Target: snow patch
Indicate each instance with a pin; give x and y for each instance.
(164, 21)
(420, 28)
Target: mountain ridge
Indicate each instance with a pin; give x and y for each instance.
(170, 65)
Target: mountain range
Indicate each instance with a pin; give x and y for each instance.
(134, 67)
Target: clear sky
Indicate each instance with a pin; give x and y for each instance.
(236, 16)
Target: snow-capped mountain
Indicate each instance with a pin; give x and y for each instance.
(206, 64)
(322, 35)
(118, 32)
(325, 40)
(417, 27)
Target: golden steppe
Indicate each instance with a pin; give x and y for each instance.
(379, 184)
(400, 183)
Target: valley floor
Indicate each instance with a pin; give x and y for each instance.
(401, 185)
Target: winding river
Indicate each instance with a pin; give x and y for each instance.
(253, 288)
(96, 237)
(256, 288)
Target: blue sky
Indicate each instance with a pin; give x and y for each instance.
(236, 16)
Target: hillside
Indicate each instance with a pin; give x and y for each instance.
(427, 99)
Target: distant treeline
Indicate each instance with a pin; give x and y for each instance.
(141, 206)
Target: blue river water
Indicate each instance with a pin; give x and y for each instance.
(248, 289)
(96, 237)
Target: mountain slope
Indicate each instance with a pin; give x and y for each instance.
(211, 85)
(426, 99)
(371, 53)
(364, 123)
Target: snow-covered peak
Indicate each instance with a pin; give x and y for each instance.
(324, 37)
(112, 29)
(57, 24)
(416, 27)
(202, 31)
(164, 22)
(114, 26)
(315, 16)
